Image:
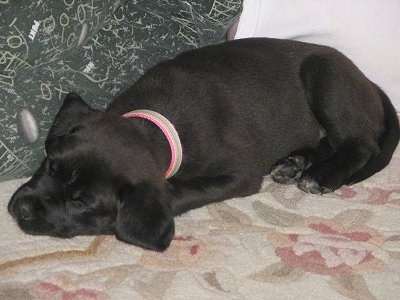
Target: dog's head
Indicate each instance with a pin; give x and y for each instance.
(99, 177)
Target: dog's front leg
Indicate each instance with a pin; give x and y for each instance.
(199, 191)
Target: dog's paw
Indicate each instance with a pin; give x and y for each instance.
(289, 169)
(313, 182)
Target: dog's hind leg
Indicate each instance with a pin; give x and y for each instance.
(326, 176)
(387, 143)
(349, 110)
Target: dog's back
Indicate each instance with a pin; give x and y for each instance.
(248, 95)
(232, 98)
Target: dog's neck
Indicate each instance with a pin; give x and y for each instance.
(170, 134)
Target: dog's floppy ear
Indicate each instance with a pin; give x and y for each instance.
(143, 217)
(70, 113)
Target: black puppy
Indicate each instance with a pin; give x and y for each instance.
(242, 109)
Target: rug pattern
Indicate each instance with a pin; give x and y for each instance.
(278, 244)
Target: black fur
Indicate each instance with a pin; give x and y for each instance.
(243, 109)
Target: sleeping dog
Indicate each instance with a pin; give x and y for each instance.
(204, 127)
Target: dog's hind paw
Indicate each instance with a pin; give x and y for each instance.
(312, 181)
(310, 185)
(289, 169)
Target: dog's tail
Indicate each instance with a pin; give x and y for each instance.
(387, 143)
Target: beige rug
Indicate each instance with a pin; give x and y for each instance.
(278, 244)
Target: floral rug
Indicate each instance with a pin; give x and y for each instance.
(278, 244)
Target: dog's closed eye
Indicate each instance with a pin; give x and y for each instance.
(77, 195)
(53, 167)
(76, 200)
(75, 129)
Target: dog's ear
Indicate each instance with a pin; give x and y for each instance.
(143, 217)
(69, 115)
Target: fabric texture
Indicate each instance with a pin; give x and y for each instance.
(93, 47)
(278, 244)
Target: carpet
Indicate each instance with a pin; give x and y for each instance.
(278, 244)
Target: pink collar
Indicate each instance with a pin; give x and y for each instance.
(170, 133)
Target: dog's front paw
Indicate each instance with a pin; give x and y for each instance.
(313, 181)
(289, 169)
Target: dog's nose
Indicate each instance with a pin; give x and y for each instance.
(26, 210)
(21, 206)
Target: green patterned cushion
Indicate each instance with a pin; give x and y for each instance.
(93, 47)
